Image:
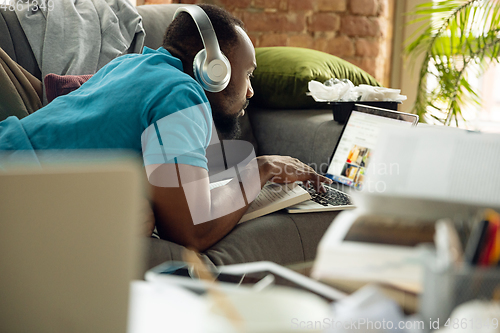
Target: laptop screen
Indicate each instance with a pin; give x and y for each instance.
(355, 146)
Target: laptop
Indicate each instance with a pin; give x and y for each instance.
(351, 157)
(69, 244)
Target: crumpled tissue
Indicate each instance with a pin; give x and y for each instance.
(335, 90)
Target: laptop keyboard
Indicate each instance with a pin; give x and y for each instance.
(330, 197)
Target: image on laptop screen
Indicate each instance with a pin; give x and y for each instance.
(355, 147)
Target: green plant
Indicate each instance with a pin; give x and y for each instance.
(458, 38)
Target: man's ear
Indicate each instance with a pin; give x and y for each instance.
(187, 61)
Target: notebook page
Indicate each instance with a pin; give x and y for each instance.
(437, 163)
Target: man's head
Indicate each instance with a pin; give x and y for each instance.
(183, 40)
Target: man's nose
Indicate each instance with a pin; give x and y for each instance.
(249, 91)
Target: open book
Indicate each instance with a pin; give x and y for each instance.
(271, 198)
(373, 248)
(361, 248)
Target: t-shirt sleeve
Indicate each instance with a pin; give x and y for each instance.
(180, 129)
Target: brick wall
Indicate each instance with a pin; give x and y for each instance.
(359, 31)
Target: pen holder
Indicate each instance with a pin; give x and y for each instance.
(445, 288)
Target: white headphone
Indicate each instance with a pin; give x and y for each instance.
(210, 66)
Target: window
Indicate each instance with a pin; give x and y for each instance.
(405, 77)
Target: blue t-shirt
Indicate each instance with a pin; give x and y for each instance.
(143, 102)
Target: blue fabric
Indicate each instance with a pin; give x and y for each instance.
(117, 108)
(15, 143)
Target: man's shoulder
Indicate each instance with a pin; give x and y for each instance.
(155, 67)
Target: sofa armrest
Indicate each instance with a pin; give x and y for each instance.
(308, 135)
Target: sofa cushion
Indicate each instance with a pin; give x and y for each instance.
(309, 135)
(282, 74)
(58, 85)
(279, 237)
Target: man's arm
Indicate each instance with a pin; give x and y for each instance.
(188, 213)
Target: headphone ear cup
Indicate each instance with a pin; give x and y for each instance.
(198, 62)
(214, 76)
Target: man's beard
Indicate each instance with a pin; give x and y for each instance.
(228, 125)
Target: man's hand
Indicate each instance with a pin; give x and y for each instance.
(285, 169)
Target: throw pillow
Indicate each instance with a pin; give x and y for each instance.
(282, 74)
(58, 85)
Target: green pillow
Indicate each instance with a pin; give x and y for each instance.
(282, 74)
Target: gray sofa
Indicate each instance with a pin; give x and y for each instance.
(308, 135)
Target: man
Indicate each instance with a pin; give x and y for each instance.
(150, 103)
